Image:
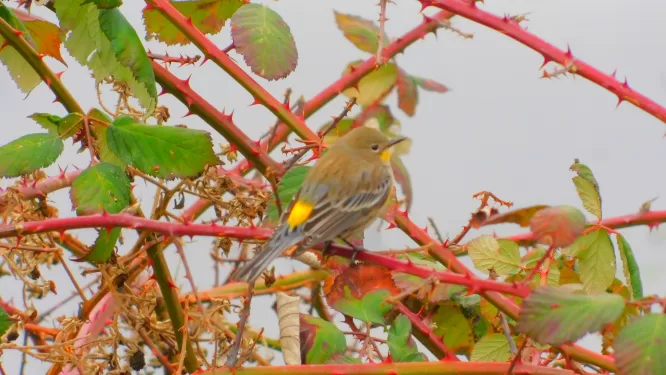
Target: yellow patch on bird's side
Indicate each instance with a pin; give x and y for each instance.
(299, 214)
(386, 155)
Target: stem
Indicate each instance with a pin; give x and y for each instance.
(175, 309)
(429, 24)
(283, 283)
(405, 368)
(506, 305)
(134, 222)
(222, 123)
(14, 38)
(573, 65)
(211, 51)
(432, 337)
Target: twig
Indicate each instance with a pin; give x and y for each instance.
(380, 37)
(72, 278)
(418, 324)
(507, 333)
(434, 226)
(245, 314)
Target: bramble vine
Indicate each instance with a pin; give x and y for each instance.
(521, 310)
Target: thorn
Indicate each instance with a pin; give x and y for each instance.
(59, 75)
(619, 101)
(17, 32)
(426, 19)
(162, 92)
(171, 284)
(47, 80)
(546, 60)
(425, 229)
(613, 74)
(626, 83)
(255, 102)
(505, 19)
(568, 55)
(187, 81)
(231, 115)
(189, 101)
(189, 113)
(424, 4)
(205, 59)
(56, 100)
(286, 104)
(189, 20)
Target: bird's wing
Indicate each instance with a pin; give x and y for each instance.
(336, 212)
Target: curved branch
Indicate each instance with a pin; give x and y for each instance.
(228, 65)
(512, 29)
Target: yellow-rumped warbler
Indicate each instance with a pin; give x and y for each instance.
(341, 195)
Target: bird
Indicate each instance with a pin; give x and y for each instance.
(341, 195)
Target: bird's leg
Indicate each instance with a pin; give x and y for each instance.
(356, 250)
(327, 246)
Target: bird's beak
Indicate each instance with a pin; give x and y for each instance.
(394, 142)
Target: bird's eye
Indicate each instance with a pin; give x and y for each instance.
(375, 147)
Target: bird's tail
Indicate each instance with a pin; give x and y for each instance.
(282, 239)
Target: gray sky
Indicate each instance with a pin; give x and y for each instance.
(501, 128)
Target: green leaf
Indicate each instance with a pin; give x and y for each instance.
(320, 340)
(344, 359)
(5, 322)
(47, 121)
(558, 226)
(430, 85)
(129, 51)
(587, 188)
(453, 327)
(103, 247)
(408, 96)
(488, 253)
(22, 73)
(208, 16)
(105, 4)
(264, 40)
(362, 33)
(29, 153)
(556, 315)
(70, 125)
(287, 188)
(162, 151)
(102, 187)
(372, 307)
(632, 274)
(401, 345)
(597, 261)
(491, 348)
(100, 123)
(104, 41)
(640, 349)
(373, 86)
(63, 127)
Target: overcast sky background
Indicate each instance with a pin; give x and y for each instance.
(501, 128)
